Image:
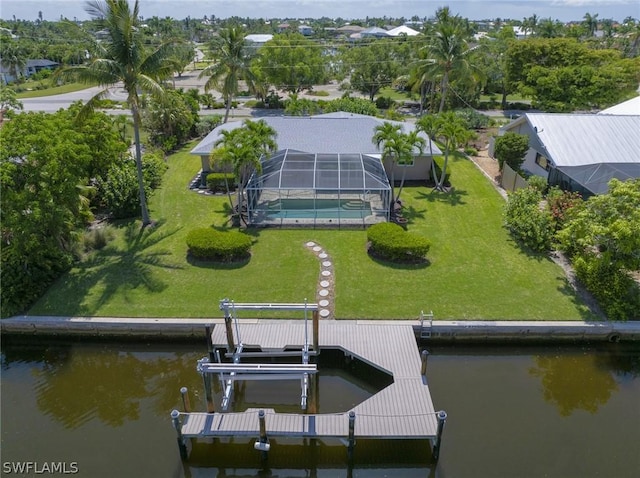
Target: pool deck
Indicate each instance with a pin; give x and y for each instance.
(403, 410)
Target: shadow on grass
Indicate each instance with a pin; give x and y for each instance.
(115, 270)
(218, 265)
(453, 196)
(407, 266)
(411, 213)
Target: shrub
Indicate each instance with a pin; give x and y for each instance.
(511, 148)
(119, 192)
(392, 242)
(473, 119)
(223, 246)
(616, 292)
(153, 168)
(538, 183)
(526, 221)
(470, 151)
(208, 124)
(97, 238)
(217, 182)
(384, 102)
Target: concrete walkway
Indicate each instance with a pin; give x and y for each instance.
(440, 331)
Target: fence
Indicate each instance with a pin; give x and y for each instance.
(511, 180)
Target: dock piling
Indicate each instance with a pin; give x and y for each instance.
(206, 378)
(175, 418)
(442, 418)
(186, 404)
(263, 442)
(352, 440)
(425, 356)
(207, 331)
(316, 339)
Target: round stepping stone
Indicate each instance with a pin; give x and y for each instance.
(323, 256)
(311, 244)
(324, 283)
(324, 313)
(326, 263)
(324, 303)
(323, 292)
(326, 273)
(317, 248)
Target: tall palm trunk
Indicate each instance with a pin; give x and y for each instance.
(227, 107)
(143, 196)
(443, 90)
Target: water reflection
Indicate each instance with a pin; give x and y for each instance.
(75, 384)
(575, 382)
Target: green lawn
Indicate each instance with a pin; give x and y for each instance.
(49, 91)
(475, 270)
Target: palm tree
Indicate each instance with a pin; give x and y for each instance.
(453, 133)
(591, 23)
(430, 125)
(14, 58)
(242, 148)
(231, 65)
(405, 150)
(384, 137)
(123, 57)
(448, 52)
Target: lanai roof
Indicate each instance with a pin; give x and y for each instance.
(327, 133)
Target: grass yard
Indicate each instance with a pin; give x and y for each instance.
(51, 90)
(475, 270)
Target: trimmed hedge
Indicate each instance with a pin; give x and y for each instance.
(216, 181)
(224, 246)
(390, 241)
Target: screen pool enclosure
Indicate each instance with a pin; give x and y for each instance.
(297, 188)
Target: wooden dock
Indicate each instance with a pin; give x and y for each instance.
(403, 410)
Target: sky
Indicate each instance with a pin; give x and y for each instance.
(563, 10)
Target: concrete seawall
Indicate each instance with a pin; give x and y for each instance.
(441, 331)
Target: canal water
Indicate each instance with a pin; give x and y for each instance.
(103, 410)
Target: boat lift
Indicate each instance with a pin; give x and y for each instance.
(231, 372)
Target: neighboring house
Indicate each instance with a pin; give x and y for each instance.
(256, 40)
(305, 30)
(580, 152)
(348, 30)
(374, 32)
(630, 107)
(31, 68)
(402, 30)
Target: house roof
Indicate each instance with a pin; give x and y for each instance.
(585, 139)
(40, 62)
(327, 133)
(591, 149)
(258, 37)
(629, 107)
(375, 32)
(402, 30)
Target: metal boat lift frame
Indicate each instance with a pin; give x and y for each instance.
(230, 372)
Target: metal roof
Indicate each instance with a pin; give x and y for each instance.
(629, 107)
(327, 133)
(584, 139)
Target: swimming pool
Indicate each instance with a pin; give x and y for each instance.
(318, 209)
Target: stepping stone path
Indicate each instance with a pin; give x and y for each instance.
(325, 293)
